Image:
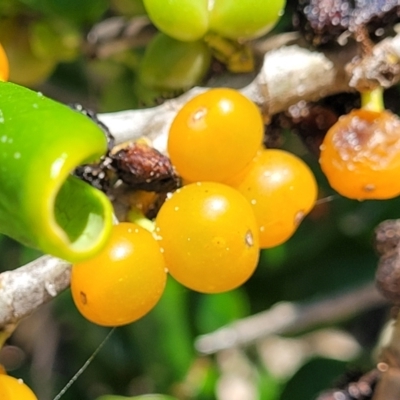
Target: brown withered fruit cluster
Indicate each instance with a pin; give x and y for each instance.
(387, 244)
(322, 22)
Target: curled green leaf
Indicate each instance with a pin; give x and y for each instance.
(41, 204)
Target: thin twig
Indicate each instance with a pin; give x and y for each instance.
(288, 317)
(288, 75)
(116, 34)
(84, 366)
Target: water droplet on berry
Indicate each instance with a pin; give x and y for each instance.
(369, 187)
(249, 240)
(197, 119)
(200, 113)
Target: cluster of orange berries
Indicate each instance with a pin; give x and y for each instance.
(238, 198)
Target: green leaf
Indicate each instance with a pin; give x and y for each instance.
(217, 310)
(313, 377)
(165, 330)
(41, 204)
(76, 10)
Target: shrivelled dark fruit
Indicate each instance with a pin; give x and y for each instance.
(387, 244)
(322, 21)
(311, 122)
(357, 388)
(387, 236)
(145, 168)
(387, 276)
(378, 16)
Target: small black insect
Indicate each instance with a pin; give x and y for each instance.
(101, 174)
(93, 116)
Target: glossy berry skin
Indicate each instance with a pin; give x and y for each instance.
(189, 20)
(215, 135)
(14, 389)
(122, 283)
(281, 189)
(360, 155)
(181, 67)
(4, 67)
(245, 19)
(209, 238)
(185, 20)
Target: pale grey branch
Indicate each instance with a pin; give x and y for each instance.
(24, 289)
(288, 75)
(288, 317)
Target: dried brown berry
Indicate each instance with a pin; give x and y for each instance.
(388, 275)
(360, 388)
(378, 16)
(144, 168)
(311, 122)
(387, 236)
(322, 21)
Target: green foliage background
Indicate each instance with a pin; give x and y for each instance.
(331, 252)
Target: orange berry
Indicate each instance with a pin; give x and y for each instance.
(215, 135)
(209, 237)
(281, 189)
(124, 281)
(4, 67)
(14, 389)
(360, 155)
